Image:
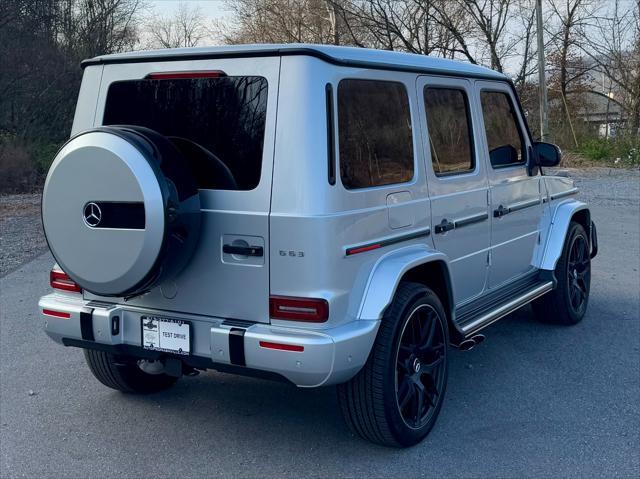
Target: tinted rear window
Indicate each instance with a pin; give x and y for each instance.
(450, 135)
(374, 136)
(217, 123)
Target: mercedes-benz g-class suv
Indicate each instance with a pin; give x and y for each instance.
(322, 215)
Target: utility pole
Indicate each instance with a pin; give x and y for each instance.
(544, 107)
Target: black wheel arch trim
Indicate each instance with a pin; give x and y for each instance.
(455, 333)
(593, 233)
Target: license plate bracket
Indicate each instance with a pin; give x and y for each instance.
(166, 334)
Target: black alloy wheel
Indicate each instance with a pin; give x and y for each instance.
(396, 397)
(567, 303)
(420, 361)
(578, 273)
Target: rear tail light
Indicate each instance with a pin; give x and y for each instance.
(187, 75)
(57, 314)
(299, 309)
(60, 280)
(281, 346)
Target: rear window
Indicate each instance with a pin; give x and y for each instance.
(374, 123)
(217, 123)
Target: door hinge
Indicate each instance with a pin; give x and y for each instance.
(489, 258)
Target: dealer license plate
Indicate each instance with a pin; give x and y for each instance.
(168, 335)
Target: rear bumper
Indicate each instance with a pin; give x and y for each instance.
(329, 356)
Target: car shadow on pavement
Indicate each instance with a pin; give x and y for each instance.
(214, 407)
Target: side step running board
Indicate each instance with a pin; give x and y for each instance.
(470, 328)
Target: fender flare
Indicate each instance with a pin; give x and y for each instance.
(562, 217)
(387, 272)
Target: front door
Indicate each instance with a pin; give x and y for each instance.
(458, 186)
(515, 197)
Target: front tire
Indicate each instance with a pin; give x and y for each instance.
(567, 303)
(124, 374)
(396, 397)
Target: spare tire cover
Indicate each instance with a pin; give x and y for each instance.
(120, 210)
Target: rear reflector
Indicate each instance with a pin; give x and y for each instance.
(282, 347)
(299, 309)
(186, 75)
(60, 280)
(57, 314)
(362, 249)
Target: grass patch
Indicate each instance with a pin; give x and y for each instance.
(616, 153)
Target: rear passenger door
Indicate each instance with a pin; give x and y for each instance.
(457, 181)
(515, 199)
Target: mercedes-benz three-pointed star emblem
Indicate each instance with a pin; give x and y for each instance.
(92, 214)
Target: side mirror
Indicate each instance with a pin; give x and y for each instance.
(546, 154)
(503, 155)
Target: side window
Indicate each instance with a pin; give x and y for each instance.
(374, 133)
(506, 145)
(450, 135)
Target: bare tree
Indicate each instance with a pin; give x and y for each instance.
(281, 21)
(406, 25)
(186, 28)
(612, 42)
(571, 17)
(490, 20)
(97, 27)
(41, 45)
(526, 55)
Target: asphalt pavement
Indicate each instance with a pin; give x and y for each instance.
(532, 401)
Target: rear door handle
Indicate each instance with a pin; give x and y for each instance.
(500, 211)
(243, 250)
(444, 226)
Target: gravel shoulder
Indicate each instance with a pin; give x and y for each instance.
(21, 235)
(605, 186)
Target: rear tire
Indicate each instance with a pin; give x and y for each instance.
(124, 374)
(396, 397)
(567, 303)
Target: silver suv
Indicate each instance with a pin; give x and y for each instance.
(317, 214)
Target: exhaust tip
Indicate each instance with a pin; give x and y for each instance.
(466, 345)
(472, 342)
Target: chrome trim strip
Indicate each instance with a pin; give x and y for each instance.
(562, 194)
(523, 204)
(361, 248)
(470, 220)
(489, 318)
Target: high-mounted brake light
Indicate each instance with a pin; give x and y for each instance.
(308, 310)
(186, 75)
(60, 280)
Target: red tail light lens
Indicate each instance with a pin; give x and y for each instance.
(57, 314)
(299, 309)
(186, 75)
(282, 347)
(60, 280)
